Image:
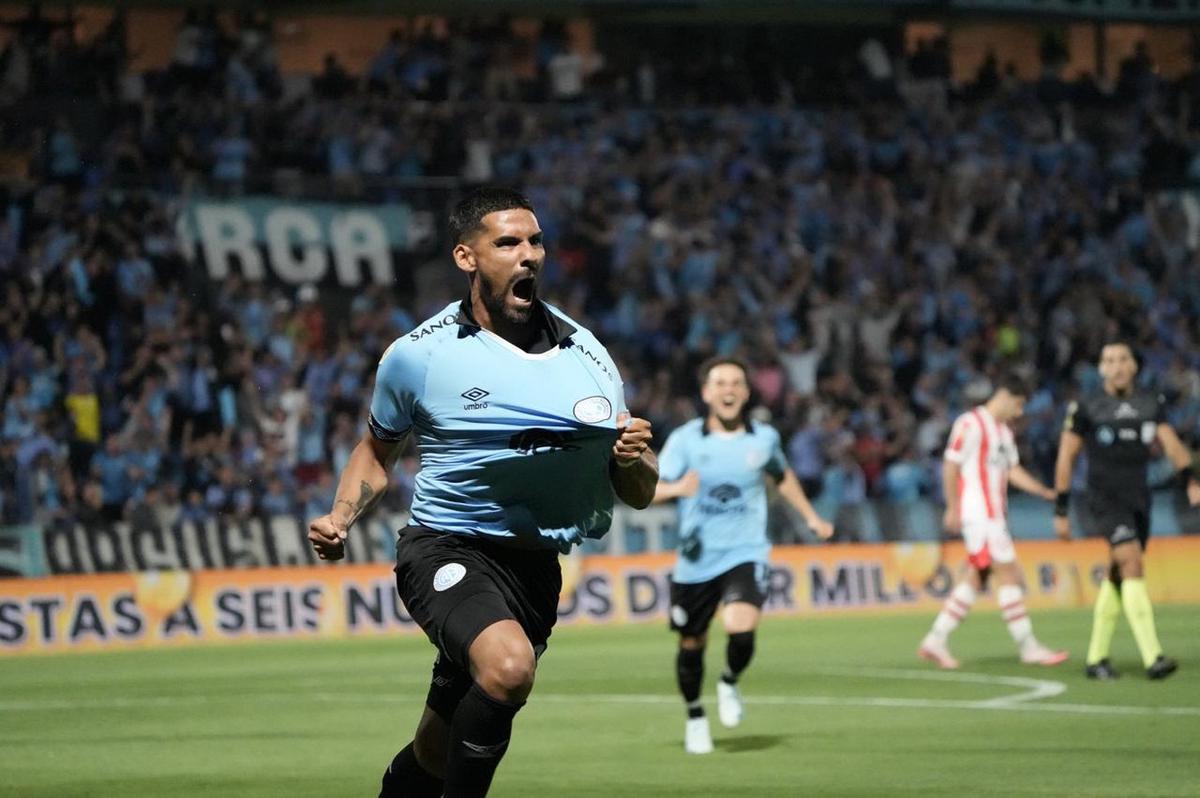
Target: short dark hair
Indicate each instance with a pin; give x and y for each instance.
(1121, 341)
(1015, 384)
(721, 360)
(467, 216)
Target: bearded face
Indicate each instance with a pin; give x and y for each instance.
(505, 259)
(510, 299)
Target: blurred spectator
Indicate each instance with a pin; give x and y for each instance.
(904, 480)
(112, 469)
(83, 406)
(11, 511)
(333, 82)
(194, 509)
(278, 499)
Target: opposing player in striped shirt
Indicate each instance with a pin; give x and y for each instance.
(979, 463)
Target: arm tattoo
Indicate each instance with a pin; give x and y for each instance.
(365, 496)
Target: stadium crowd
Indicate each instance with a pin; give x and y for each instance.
(877, 260)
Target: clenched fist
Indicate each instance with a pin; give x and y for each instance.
(633, 441)
(328, 537)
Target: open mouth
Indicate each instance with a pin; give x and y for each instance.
(524, 289)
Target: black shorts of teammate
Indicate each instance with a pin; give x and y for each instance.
(1120, 522)
(455, 586)
(693, 605)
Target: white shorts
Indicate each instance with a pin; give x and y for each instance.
(988, 542)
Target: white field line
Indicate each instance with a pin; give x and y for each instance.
(1030, 690)
(1035, 689)
(840, 701)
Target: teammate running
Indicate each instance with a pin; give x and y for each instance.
(979, 463)
(715, 466)
(1117, 428)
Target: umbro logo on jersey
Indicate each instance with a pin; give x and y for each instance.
(474, 397)
(1126, 410)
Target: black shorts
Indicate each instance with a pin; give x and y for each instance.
(455, 586)
(1120, 522)
(693, 605)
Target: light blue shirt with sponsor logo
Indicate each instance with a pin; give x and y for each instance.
(514, 445)
(725, 523)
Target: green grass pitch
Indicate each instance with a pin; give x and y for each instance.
(835, 706)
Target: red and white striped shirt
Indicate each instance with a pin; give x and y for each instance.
(984, 451)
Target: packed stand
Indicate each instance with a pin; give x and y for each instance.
(877, 261)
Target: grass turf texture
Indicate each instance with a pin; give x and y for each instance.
(324, 718)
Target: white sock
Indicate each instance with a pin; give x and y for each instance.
(1012, 607)
(957, 605)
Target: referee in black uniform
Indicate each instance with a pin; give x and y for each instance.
(1118, 427)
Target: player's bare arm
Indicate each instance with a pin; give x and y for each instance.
(791, 490)
(952, 518)
(1069, 446)
(634, 470)
(1181, 458)
(1021, 479)
(361, 485)
(685, 486)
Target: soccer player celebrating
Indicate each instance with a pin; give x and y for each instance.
(978, 465)
(1117, 427)
(524, 439)
(714, 465)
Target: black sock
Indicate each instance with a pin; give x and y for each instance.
(689, 670)
(479, 736)
(405, 778)
(738, 652)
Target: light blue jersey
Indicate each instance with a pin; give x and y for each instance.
(513, 445)
(725, 523)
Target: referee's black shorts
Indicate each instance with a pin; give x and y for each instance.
(455, 586)
(1120, 521)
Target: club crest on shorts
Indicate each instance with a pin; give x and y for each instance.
(679, 615)
(593, 410)
(448, 576)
